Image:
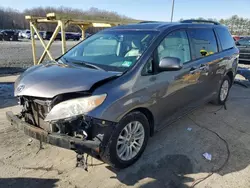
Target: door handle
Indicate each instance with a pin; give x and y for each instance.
(203, 67)
(193, 70)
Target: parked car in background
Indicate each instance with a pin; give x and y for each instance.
(72, 36)
(26, 34)
(68, 35)
(244, 47)
(236, 37)
(20, 34)
(9, 35)
(48, 34)
(1, 36)
(41, 33)
(87, 35)
(110, 93)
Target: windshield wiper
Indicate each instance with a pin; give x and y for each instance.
(88, 65)
(62, 60)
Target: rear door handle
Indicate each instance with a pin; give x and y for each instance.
(204, 67)
(193, 70)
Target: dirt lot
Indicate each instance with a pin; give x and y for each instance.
(16, 56)
(173, 157)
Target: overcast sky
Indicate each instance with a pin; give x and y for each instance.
(149, 9)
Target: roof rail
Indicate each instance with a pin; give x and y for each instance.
(147, 22)
(200, 21)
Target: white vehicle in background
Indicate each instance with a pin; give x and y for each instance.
(40, 33)
(20, 34)
(26, 34)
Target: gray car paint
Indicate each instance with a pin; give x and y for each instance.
(160, 95)
(165, 93)
(53, 79)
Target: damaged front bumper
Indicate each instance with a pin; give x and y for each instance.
(61, 140)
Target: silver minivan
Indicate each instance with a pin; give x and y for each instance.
(107, 95)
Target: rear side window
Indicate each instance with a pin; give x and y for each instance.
(225, 37)
(204, 42)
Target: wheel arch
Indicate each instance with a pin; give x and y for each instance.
(231, 76)
(149, 115)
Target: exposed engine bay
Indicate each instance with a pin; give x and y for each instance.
(82, 128)
(36, 109)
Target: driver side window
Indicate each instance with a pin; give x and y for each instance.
(176, 44)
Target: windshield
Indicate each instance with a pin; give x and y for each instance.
(111, 50)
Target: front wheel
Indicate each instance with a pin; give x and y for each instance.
(223, 91)
(128, 141)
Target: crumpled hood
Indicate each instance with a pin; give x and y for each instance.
(53, 79)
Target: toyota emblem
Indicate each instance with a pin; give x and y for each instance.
(20, 88)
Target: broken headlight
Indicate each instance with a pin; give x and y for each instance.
(75, 107)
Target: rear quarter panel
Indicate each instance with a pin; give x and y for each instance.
(228, 62)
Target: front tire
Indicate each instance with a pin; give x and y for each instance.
(128, 141)
(223, 91)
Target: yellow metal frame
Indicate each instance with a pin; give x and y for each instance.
(62, 23)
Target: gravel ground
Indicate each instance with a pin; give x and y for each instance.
(173, 157)
(17, 56)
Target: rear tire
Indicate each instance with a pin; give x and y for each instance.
(130, 146)
(223, 91)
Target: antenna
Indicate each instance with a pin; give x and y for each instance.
(172, 13)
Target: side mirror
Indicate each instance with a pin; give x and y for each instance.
(170, 64)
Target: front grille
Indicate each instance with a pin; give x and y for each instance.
(35, 111)
(38, 110)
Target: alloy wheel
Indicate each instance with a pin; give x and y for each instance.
(224, 90)
(130, 140)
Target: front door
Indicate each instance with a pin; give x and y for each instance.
(177, 89)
